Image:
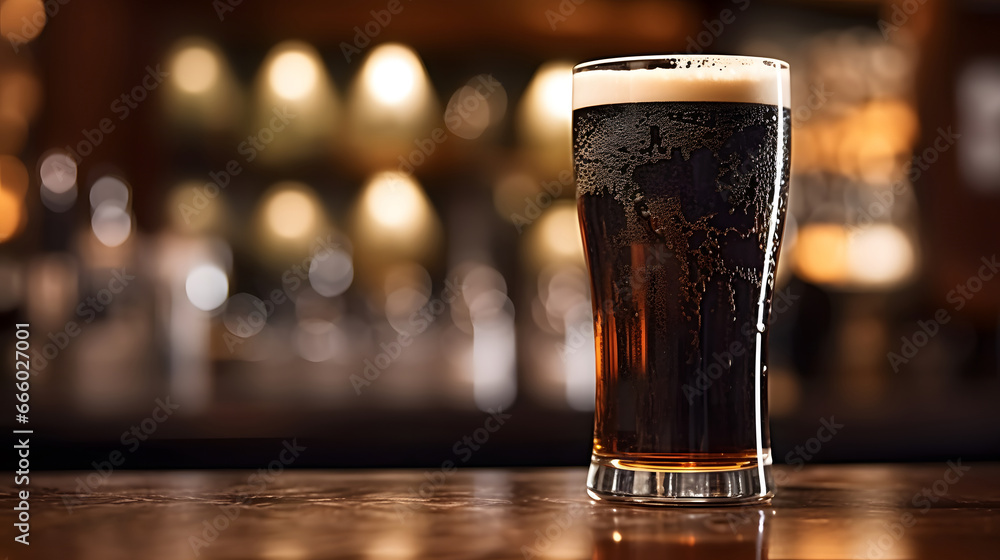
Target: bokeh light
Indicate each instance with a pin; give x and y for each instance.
(290, 211)
(821, 253)
(555, 88)
(468, 113)
(407, 289)
(245, 315)
(10, 214)
(13, 185)
(57, 172)
(190, 210)
(391, 104)
(293, 72)
(395, 201)
(392, 73)
(880, 255)
(202, 91)
(109, 189)
(111, 223)
(318, 340)
(206, 286)
(494, 349)
(59, 202)
(21, 98)
(559, 233)
(22, 19)
(296, 108)
(393, 222)
(13, 175)
(195, 69)
(487, 313)
(331, 272)
(545, 114)
(549, 96)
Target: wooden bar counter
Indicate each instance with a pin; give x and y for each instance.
(939, 511)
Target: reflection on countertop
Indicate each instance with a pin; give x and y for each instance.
(857, 511)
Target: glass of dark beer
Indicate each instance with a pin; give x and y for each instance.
(681, 164)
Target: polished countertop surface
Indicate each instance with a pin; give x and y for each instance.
(946, 510)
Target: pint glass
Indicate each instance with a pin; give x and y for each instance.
(681, 165)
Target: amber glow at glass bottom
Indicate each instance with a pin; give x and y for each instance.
(680, 462)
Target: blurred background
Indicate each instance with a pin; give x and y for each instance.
(353, 223)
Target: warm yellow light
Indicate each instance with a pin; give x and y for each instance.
(290, 212)
(880, 255)
(821, 253)
(616, 536)
(293, 74)
(544, 117)
(866, 141)
(22, 20)
(556, 86)
(204, 94)
(559, 232)
(550, 93)
(393, 222)
(875, 256)
(13, 176)
(195, 69)
(391, 74)
(10, 214)
(391, 105)
(394, 200)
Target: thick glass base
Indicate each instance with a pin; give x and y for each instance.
(607, 481)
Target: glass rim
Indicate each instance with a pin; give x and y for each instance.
(613, 62)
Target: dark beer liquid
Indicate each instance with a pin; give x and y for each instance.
(681, 206)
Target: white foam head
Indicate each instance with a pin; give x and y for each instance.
(738, 79)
